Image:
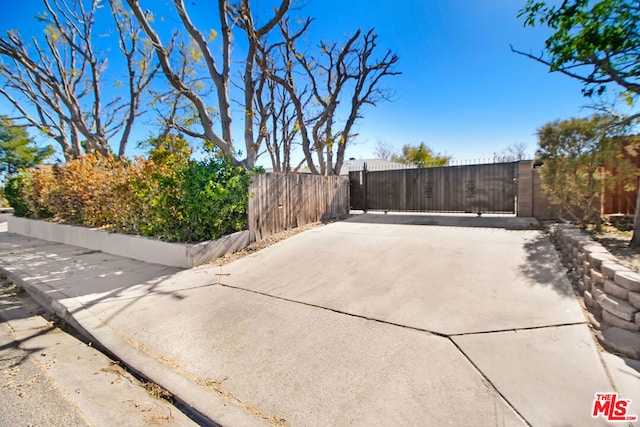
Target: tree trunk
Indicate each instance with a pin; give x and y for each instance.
(250, 144)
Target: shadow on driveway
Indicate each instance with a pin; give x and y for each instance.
(85, 278)
(543, 266)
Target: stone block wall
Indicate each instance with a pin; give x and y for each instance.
(611, 291)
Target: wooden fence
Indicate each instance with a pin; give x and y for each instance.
(279, 202)
(486, 188)
(621, 199)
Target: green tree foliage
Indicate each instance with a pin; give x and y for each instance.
(15, 191)
(421, 156)
(597, 43)
(167, 147)
(17, 149)
(577, 158)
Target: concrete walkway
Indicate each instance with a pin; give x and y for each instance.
(50, 378)
(380, 319)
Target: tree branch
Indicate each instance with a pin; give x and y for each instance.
(175, 80)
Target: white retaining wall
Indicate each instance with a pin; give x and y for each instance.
(141, 248)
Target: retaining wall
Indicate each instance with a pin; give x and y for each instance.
(137, 247)
(611, 291)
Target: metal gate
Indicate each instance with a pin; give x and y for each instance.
(489, 188)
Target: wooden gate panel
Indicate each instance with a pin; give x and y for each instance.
(487, 188)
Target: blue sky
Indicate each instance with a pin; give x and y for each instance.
(461, 91)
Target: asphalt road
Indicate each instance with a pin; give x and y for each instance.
(27, 395)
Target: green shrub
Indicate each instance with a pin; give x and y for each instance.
(28, 193)
(167, 197)
(16, 190)
(4, 203)
(83, 191)
(215, 199)
(158, 199)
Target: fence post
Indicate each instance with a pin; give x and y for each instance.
(364, 186)
(524, 190)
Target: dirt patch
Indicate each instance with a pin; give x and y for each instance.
(10, 289)
(216, 386)
(158, 392)
(264, 243)
(617, 242)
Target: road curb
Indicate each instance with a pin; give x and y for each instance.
(205, 406)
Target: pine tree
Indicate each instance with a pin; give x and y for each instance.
(17, 148)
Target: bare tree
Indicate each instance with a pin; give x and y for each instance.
(278, 65)
(275, 119)
(514, 152)
(140, 66)
(169, 104)
(276, 112)
(219, 77)
(349, 71)
(384, 151)
(217, 69)
(255, 36)
(55, 84)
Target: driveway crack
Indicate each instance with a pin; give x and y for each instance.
(333, 310)
(527, 328)
(490, 384)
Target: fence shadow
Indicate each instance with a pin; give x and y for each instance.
(543, 266)
(457, 220)
(14, 305)
(89, 277)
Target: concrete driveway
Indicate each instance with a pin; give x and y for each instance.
(376, 320)
(474, 320)
(455, 279)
